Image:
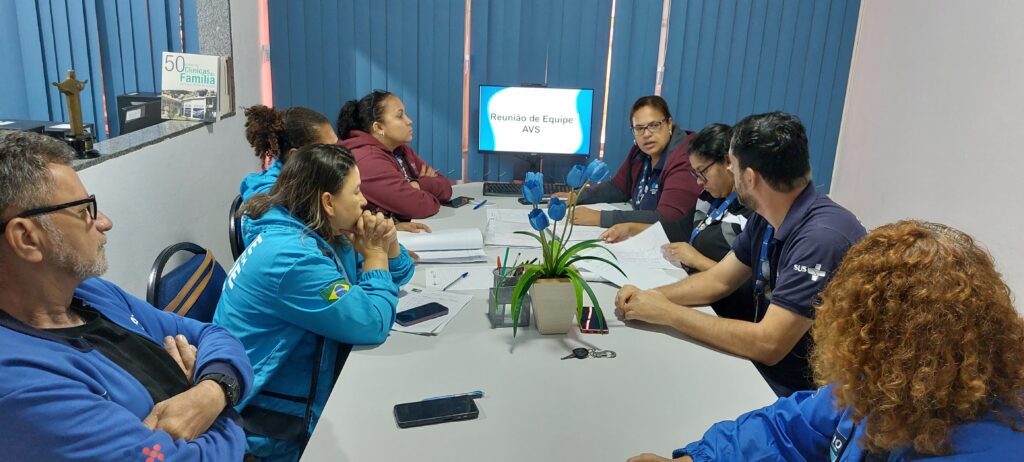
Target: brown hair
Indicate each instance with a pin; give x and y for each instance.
(918, 333)
(312, 171)
(277, 132)
(653, 101)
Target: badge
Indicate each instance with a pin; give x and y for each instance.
(334, 290)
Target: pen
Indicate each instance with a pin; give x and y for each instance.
(473, 394)
(456, 280)
(481, 204)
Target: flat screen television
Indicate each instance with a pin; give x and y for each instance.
(535, 120)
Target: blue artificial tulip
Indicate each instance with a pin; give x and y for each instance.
(576, 176)
(597, 171)
(556, 209)
(533, 187)
(538, 219)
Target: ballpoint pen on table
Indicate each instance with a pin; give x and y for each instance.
(481, 204)
(473, 394)
(456, 280)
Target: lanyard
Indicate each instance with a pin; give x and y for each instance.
(714, 216)
(762, 272)
(401, 166)
(645, 185)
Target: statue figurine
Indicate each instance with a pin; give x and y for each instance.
(80, 141)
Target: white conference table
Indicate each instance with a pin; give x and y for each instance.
(661, 391)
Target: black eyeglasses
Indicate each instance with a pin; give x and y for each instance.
(651, 127)
(699, 174)
(91, 200)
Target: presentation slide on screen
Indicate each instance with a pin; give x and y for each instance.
(534, 119)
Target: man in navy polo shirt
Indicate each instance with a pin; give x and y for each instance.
(790, 246)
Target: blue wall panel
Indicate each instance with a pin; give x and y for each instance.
(324, 53)
(731, 58)
(517, 42)
(114, 44)
(634, 65)
(725, 59)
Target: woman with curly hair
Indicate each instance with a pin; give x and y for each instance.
(274, 135)
(920, 355)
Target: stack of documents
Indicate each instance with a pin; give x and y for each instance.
(413, 296)
(460, 245)
(639, 257)
(502, 225)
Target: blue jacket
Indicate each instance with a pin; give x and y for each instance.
(257, 183)
(803, 427)
(284, 294)
(62, 400)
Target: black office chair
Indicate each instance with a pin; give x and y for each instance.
(235, 228)
(192, 289)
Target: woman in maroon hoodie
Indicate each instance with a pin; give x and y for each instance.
(655, 176)
(395, 180)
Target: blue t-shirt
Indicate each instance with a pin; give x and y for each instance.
(802, 254)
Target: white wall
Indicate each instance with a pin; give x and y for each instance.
(180, 189)
(934, 118)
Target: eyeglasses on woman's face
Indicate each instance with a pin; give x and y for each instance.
(652, 127)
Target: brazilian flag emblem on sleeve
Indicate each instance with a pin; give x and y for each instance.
(334, 290)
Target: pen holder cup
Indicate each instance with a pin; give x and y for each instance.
(499, 306)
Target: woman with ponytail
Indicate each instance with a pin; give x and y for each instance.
(320, 273)
(274, 135)
(396, 180)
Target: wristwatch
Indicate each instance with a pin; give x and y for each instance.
(227, 383)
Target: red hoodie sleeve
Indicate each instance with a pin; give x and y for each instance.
(385, 186)
(679, 188)
(622, 178)
(439, 186)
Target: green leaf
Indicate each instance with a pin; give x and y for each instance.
(590, 257)
(531, 274)
(588, 244)
(590, 293)
(577, 284)
(533, 235)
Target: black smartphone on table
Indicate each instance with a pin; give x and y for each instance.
(434, 411)
(458, 202)
(592, 321)
(420, 313)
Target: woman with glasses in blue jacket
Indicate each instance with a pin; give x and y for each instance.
(320, 273)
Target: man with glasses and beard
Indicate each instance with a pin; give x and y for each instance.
(87, 371)
(790, 246)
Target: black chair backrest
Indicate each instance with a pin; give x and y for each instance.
(192, 289)
(235, 228)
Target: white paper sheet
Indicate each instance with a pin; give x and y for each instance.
(413, 295)
(452, 256)
(644, 249)
(479, 277)
(448, 239)
(639, 257)
(503, 223)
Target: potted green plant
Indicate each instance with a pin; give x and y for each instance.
(554, 279)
